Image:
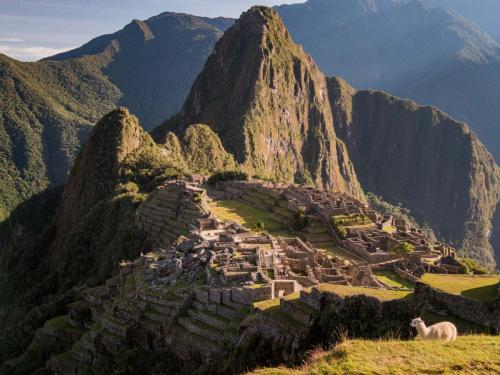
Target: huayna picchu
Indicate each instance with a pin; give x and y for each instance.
(238, 235)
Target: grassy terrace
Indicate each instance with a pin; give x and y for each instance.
(391, 278)
(344, 291)
(334, 250)
(468, 355)
(61, 322)
(480, 288)
(248, 216)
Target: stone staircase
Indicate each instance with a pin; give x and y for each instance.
(214, 317)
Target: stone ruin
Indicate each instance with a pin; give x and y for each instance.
(343, 220)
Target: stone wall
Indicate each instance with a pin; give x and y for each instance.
(465, 308)
(168, 213)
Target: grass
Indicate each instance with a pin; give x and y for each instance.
(61, 322)
(391, 278)
(334, 250)
(267, 304)
(468, 355)
(479, 288)
(345, 291)
(230, 210)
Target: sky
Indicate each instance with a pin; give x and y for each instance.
(33, 29)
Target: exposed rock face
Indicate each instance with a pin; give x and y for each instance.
(431, 55)
(424, 159)
(268, 103)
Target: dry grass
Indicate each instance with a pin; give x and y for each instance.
(468, 355)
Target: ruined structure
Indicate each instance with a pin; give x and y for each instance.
(321, 216)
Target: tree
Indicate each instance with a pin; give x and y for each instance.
(404, 249)
(259, 226)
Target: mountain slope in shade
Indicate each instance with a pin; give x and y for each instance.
(431, 55)
(47, 108)
(419, 156)
(268, 103)
(482, 12)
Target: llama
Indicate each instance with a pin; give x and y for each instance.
(440, 331)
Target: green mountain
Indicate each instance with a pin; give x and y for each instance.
(48, 107)
(79, 234)
(267, 101)
(431, 55)
(423, 158)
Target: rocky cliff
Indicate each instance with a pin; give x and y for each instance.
(268, 103)
(419, 156)
(431, 55)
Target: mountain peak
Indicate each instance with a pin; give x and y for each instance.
(267, 101)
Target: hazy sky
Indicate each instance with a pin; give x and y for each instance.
(32, 29)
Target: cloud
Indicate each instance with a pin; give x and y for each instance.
(31, 53)
(11, 40)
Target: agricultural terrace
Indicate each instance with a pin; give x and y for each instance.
(479, 288)
(468, 355)
(248, 216)
(346, 291)
(334, 250)
(391, 278)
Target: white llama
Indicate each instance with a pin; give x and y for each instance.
(440, 331)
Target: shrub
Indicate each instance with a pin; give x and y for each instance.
(259, 226)
(227, 176)
(341, 231)
(299, 220)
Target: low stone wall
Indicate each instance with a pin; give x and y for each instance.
(465, 308)
(362, 316)
(405, 275)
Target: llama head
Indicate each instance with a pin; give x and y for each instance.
(415, 322)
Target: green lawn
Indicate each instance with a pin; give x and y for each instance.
(267, 304)
(248, 216)
(61, 322)
(345, 290)
(468, 355)
(480, 288)
(391, 278)
(334, 250)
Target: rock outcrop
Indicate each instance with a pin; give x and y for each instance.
(268, 103)
(419, 156)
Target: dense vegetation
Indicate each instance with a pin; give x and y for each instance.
(47, 108)
(92, 230)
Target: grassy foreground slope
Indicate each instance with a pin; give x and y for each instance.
(468, 355)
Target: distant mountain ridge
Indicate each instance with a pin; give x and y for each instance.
(482, 12)
(431, 55)
(47, 108)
